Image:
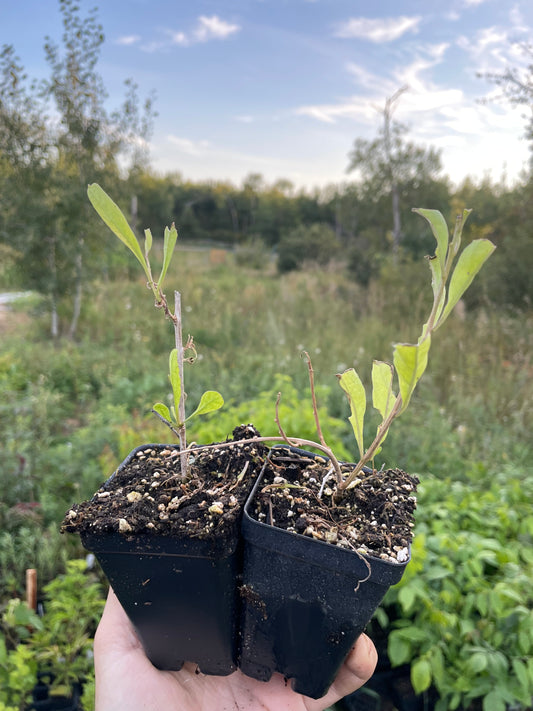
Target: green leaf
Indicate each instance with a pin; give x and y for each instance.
(414, 634)
(440, 231)
(147, 241)
(421, 675)
(398, 649)
(406, 598)
(530, 668)
(524, 642)
(468, 265)
(112, 215)
(494, 701)
(438, 288)
(458, 232)
(478, 662)
(3, 651)
(209, 402)
(351, 383)
(410, 362)
(520, 670)
(163, 411)
(383, 397)
(438, 669)
(175, 381)
(169, 244)
(381, 616)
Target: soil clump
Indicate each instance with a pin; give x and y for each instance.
(148, 495)
(374, 516)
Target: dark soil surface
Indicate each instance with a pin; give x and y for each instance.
(374, 516)
(149, 495)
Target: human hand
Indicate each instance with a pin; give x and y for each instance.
(126, 679)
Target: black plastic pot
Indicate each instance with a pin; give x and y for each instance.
(305, 603)
(180, 594)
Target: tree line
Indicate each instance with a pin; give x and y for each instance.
(51, 241)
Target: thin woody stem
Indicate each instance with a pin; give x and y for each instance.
(182, 433)
(278, 422)
(161, 303)
(167, 423)
(371, 451)
(323, 446)
(291, 441)
(313, 398)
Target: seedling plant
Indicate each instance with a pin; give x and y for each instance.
(452, 272)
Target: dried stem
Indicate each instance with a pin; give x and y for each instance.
(313, 398)
(291, 441)
(278, 422)
(322, 447)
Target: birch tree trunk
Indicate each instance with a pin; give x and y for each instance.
(78, 290)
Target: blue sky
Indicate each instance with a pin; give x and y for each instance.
(283, 87)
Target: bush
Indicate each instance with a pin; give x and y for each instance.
(462, 615)
(316, 243)
(59, 644)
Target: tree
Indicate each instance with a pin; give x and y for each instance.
(516, 84)
(82, 145)
(25, 172)
(389, 163)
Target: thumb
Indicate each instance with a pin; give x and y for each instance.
(357, 669)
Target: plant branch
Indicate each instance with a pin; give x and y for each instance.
(371, 451)
(313, 398)
(167, 423)
(278, 422)
(291, 441)
(323, 447)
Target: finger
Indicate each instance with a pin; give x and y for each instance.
(356, 671)
(115, 630)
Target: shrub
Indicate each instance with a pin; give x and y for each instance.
(315, 243)
(462, 615)
(59, 644)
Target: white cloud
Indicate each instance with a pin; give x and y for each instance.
(472, 3)
(179, 37)
(214, 27)
(423, 96)
(128, 39)
(515, 16)
(492, 49)
(486, 40)
(384, 29)
(368, 80)
(190, 148)
(452, 16)
(207, 28)
(352, 108)
(411, 73)
(431, 100)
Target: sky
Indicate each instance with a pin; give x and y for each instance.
(284, 87)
